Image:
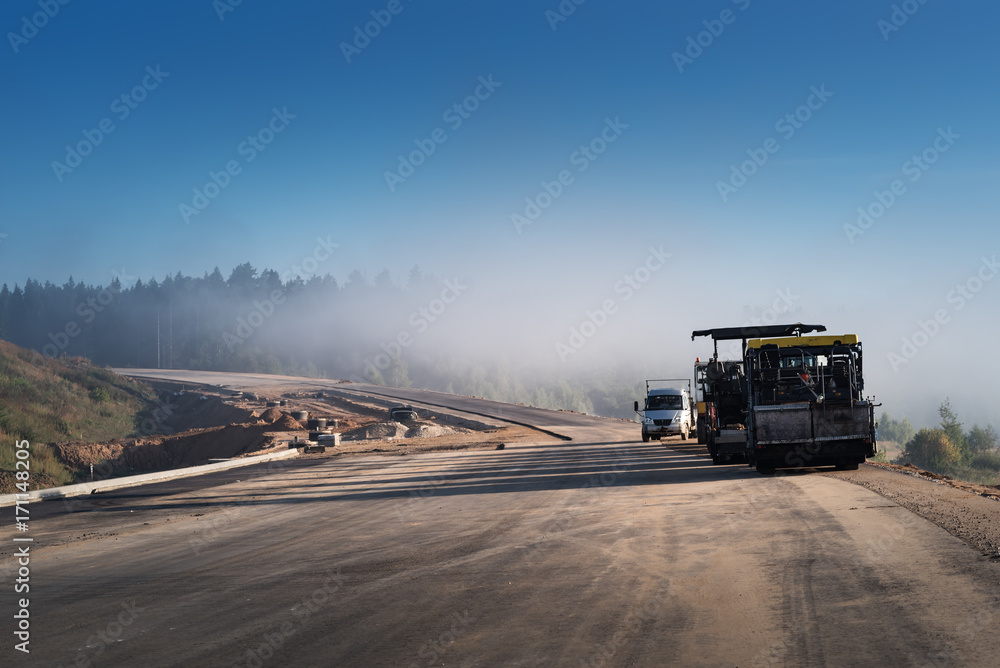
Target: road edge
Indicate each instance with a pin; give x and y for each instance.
(84, 488)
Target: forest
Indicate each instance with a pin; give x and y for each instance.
(307, 325)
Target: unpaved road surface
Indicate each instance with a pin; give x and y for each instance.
(597, 551)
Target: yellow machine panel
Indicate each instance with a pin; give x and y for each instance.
(805, 341)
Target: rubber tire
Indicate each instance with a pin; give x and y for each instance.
(645, 437)
(716, 459)
(684, 434)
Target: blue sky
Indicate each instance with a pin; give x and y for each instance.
(892, 93)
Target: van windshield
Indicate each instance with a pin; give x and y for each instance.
(660, 402)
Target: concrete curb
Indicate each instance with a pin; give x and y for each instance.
(84, 488)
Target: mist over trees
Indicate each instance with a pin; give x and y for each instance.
(260, 322)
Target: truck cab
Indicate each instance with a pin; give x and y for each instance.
(667, 411)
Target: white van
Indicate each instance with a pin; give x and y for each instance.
(668, 412)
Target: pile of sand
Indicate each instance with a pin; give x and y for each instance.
(156, 453)
(379, 430)
(428, 430)
(386, 430)
(286, 423)
(270, 415)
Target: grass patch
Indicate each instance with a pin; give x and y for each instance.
(43, 465)
(977, 475)
(48, 401)
(43, 400)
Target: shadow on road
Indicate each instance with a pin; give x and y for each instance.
(520, 468)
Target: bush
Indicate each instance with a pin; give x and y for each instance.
(981, 439)
(932, 449)
(987, 460)
(100, 395)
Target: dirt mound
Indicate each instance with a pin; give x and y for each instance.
(379, 430)
(286, 423)
(271, 415)
(428, 430)
(384, 430)
(159, 453)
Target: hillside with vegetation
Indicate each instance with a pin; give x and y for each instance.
(45, 400)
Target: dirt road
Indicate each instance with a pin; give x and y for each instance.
(598, 551)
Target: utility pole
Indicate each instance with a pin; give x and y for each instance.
(170, 333)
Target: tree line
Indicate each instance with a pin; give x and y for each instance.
(256, 322)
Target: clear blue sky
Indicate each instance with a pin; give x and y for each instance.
(324, 173)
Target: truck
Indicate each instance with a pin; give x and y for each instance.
(722, 392)
(667, 411)
(805, 403)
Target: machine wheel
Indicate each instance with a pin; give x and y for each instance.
(702, 439)
(645, 437)
(765, 468)
(684, 434)
(716, 459)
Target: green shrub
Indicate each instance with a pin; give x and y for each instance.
(932, 449)
(987, 460)
(100, 395)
